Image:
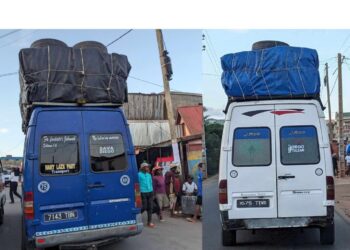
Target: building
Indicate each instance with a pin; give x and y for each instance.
(10, 161)
(346, 126)
(190, 126)
(148, 121)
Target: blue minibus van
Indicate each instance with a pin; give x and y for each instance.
(80, 182)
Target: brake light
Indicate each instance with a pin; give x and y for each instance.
(330, 187)
(223, 192)
(138, 201)
(28, 205)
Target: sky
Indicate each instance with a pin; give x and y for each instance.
(328, 44)
(184, 47)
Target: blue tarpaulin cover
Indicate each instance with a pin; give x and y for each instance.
(281, 71)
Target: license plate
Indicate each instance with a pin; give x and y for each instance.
(253, 203)
(59, 216)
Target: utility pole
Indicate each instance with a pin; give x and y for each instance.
(330, 125)
(340, 117)
(167, 97)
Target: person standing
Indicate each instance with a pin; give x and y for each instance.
(14, 178)
(335, 153)
(347, 159)
(199, 193)
(159, 190)
(176, 209)
(169, 185)
(146, 189)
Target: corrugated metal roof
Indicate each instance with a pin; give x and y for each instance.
(148, 133)
(142, 106)
(192, 117)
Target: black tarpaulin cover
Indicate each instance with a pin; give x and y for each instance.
(60, 74)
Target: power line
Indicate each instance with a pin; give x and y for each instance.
(210, 74)
(152, 83)
(9, 74)
(213, 49)
(345, 40)
(211, 55)
(9, 33)
(120, 37)
(10, 43)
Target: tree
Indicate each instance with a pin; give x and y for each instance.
(213, 134)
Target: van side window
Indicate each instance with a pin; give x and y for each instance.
(59, 155)
(107, 153)
(251, 147)
(299, 145)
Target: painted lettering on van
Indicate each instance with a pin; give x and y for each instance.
(296, 148)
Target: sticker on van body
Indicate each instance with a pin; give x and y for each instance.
(125, 180)
(43, 187)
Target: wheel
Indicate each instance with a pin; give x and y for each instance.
(25, 245)
(228, 237)
(2, 214)
(90, 44)
(47, 42)
(267, 44)
(327, 234)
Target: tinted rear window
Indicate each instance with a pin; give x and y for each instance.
(59, 155)
(299, 145)
(251, 147)
(107, 153)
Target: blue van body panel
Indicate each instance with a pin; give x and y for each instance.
(98, 199)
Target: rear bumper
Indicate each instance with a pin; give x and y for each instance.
(89, 236)
(261, 223)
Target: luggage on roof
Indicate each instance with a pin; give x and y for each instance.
(50, 71)
(270, 73)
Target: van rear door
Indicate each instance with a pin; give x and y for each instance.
(301, 180)
(110, 171)
(251, 168)
(59, 174)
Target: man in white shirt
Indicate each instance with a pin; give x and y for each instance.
(14, 184)
(347, 159)
(189, 187)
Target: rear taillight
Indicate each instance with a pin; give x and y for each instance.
(330, 188)
(138, 201)
(223, 192)
(28, 204)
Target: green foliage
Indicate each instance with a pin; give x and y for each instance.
(213, 134)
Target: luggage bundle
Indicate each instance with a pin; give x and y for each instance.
(188, 204)
(272, 70)
(52, 72)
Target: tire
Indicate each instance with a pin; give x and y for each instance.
(91, 44)
(267, 44)
(228, 237)
(327, 234)
(47, 42)
(2, 214)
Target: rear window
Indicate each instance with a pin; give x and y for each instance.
(251, 147)
(59, 155)
(107, 153)
(299, 145)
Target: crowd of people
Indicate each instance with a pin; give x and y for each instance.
(335, 157)
(164, 192)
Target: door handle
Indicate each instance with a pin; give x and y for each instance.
(286, 177)
(96, 185)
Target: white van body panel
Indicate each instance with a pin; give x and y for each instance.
(303, 192)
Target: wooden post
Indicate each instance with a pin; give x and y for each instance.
(330, 125)
(168, 101)
(340, 117)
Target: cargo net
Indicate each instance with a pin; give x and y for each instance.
(54, 74)
(273, 73)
